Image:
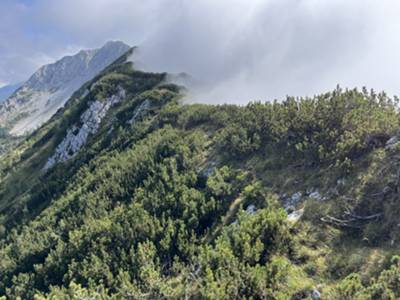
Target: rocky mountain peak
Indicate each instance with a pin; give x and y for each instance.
(50, 87)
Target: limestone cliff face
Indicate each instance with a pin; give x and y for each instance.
(78, 134)
(51, 86)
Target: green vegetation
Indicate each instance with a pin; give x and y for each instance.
(186, 202)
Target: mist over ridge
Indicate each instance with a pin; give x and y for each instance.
(239, 50)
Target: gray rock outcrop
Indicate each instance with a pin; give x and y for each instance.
(77, 135)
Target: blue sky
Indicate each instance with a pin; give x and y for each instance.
(241, 49)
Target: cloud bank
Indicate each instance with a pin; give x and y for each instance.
(239, 50)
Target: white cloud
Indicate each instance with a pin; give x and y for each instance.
(260, 49)
(240, 49)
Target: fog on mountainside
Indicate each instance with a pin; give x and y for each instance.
(265, 50)
(239, 50)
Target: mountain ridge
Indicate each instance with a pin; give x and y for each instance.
(127, 193)
(50, 87)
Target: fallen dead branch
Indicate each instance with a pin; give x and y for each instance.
(350, 219)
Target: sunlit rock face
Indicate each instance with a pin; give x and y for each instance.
(52, 85)
(77, 135)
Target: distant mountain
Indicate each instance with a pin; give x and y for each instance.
(50, 87)
(8, 90)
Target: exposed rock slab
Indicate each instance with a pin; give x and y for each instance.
(77, 135)
(140, 111)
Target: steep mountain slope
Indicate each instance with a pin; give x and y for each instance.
(50, 87)
(127, 194)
